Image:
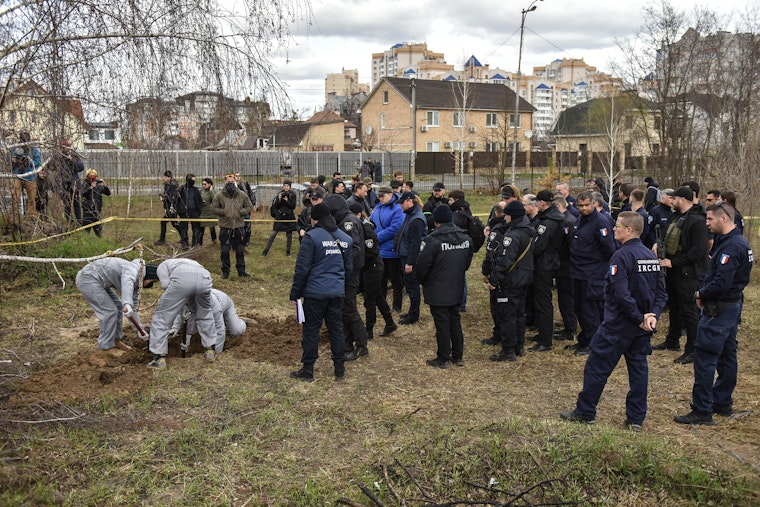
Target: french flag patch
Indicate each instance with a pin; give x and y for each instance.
(613, 270)
(724, 258)
(604, 232)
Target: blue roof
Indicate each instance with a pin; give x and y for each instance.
(498, 76)
(472, 61)
(409, 71)
(581, 84)
(542, 86)
(397, 45)
(450, 78)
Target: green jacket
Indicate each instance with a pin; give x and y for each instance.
(231, 210)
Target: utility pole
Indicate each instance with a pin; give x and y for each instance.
(532, 7)
(414, 131)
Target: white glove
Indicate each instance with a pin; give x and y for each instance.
(128, 310)
(173, 331)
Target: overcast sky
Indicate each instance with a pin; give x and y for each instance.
(345, 33)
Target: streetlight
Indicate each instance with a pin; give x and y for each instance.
(532, 7)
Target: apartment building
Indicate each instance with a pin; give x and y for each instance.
(409, 58)
(344, 84)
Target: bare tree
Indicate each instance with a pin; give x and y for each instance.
(107, 53)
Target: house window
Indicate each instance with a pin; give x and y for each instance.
(458, 119)
(385, 96)
(512, 120)
(656, 150)
(492, 120)
(33, 118)
(657, 123)
(433, 146)
(382, 120)
(433, 119)
(12, 117)
(629, 122)
(94, 135)
(456, 146)
(109, 135)
(492, 146)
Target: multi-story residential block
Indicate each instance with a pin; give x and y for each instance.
(196, 120)
(344, 84)
(403, 114)
(407, 58)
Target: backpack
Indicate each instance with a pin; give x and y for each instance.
(475, 231)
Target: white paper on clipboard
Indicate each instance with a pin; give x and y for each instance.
(300, 318)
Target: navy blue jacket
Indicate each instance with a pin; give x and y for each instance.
(324, 262)
(659, 216)
(635, 286)
(445, 255)
(411, 233)
(592, 244)
(644, 233)
(728, 270)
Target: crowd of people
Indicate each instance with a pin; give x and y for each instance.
(60, 176)
(616, 264)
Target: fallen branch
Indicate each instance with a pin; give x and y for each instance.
(391, 488)
(526, 491)
(371, 495)
(110, 253)
(346, 501)
(43, 421)
(419, 486)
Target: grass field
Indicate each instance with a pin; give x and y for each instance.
(78, 427)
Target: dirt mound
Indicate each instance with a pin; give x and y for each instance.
(95, 374)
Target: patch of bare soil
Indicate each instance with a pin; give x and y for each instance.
(95, 374)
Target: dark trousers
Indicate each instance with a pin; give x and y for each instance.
(715, 350)
(412, 287)
(374, 299)
(232, 239)
(589, 308)
(508, 312)
(448, 332)
(182, 228)
(543, 307)
(315, 312)
(354, 331)
(604, 356)
(565, 302)
(393, 273)
(163, 227)
(683, 311)
(212, 231)
(288, 236)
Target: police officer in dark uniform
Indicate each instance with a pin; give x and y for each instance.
(591, 247)
(562, 275)
(354, 332)
(323, 264)
(507, 271)
(719, 296)
(372, 276)
(407, 244)
(445, 255)
(546, 261)
(659, 217)
(634, 298)
(686, 263)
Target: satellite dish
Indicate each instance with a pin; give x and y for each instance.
(528, 134)
(368, 130)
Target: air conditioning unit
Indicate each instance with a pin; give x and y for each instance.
(473, 144)
(423, 128)
(447, 144)
(473, 129)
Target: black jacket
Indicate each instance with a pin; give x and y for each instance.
(189, 202)
(350, 224)
(506, 244)
(548, 239)
(283, 211)
(445, 255)
(691, 259)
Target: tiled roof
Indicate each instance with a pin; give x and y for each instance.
(448, 95)
(289, 135)
(325, 117)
